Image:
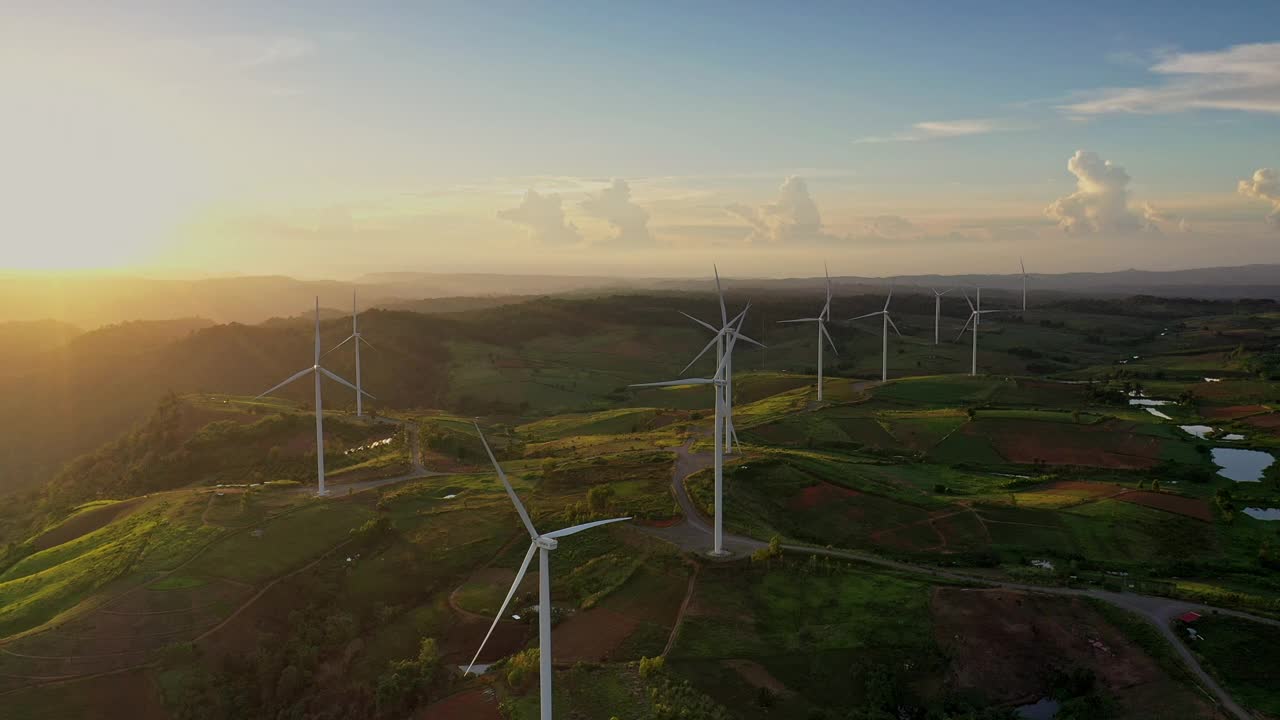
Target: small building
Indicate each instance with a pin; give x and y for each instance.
(1189, 617)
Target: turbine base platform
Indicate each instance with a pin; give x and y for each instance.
(719, 554)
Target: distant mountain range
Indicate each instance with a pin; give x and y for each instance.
(90, 301)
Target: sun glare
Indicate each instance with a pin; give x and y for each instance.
(92, 175)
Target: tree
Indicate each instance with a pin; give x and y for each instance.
(1155, 486)
(600, 499)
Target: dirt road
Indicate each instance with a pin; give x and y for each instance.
(694, 535)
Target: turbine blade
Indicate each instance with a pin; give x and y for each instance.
(895, 327)
(337, 379)
(515, 500)
(753, 342)
(366, 342)
(675, 383)
(703, 324)
(335, 347)
(887, 299)
(584, 526)
(733, 340)
(827, 335)
(724, 315)
(826, 309)
(734, 432)
(966, 325)
(870, 314)
(524, 567)
(812, 319)
(971, 307)
(708, 346)
(293, 377)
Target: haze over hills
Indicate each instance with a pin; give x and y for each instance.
(90, 301)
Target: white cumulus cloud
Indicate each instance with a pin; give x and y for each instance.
(1153, 218)
(1264, 185)
(543, 215)
(792, 218)
(1100, 202)
(614, 205)
(1241, 77)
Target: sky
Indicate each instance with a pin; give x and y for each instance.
(327, 139)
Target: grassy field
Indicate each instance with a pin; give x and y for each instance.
(1243, 655)
(162, 533)
(283, 544)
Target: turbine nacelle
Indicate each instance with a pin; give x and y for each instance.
(546, 543)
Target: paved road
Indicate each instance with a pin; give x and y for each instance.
(694, 535)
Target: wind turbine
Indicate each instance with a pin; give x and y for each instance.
(726, 329)
(821, 321)
(937, 311)
(719, 381)
(1024, 284)
(544, 544)
(885, 324)
(975, 316)
(355, 335)
(317, 371)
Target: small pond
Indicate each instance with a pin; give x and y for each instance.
(1242, 465)
(1200, 431)
(1263, 513)
(1148, 402)
(1044, 709)
(1157, 413)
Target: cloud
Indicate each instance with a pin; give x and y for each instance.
(614, 205)
(1153, 218)
(1100, 202)
(889, 227)
(1264, 185)
(936, 130)
(1241, 77)
(249, 52)
(544, 216)
(793, 218)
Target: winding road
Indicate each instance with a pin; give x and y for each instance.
(694, 535)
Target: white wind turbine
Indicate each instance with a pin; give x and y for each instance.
(316, 371)
(1024, 284)
(886, 322)
(358, 338)
(821, 320)
(544, 544)
(726, 329)
(719, 380)
(937, 311)
(975, 316)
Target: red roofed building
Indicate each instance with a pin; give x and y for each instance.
(1189, 617)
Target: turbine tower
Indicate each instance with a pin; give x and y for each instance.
(821, 320)
(719, 381)
(885, 323)
(543, 544)
(358, 338)
(726, 329)
(1024, 284)
(937, 311)
(975, 316)
(316, 370)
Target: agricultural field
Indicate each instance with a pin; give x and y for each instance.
(926, 529)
